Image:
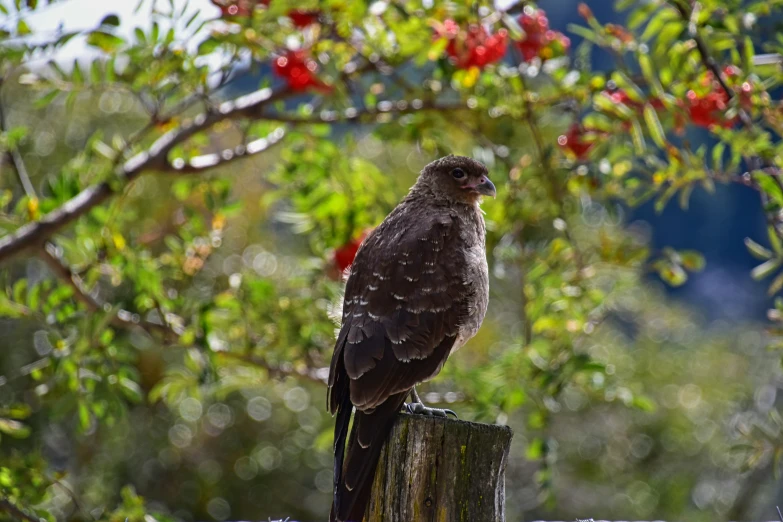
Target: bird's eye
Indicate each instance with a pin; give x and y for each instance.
(458, 173)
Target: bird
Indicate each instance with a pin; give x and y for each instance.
(417, 290)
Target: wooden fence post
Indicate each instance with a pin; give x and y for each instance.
(441, 470)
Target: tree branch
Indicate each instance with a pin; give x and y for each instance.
(36, 233)
(356, 115)
(209, 161)
(15, 512)
(155, 158)
(123, 320)
(319, 375)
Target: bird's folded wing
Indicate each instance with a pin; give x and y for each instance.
(404, 303)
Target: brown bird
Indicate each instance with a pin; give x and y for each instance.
(417, 291)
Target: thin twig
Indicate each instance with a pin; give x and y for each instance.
(121, 318)
(170, 333)
(557, 192)
(16, 157)
(356, 115)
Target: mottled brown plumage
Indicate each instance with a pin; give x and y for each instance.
(417, 291)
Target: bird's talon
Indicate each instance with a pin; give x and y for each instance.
(417, 408)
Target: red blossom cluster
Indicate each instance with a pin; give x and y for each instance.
(303, 17)
(706, 109)
(298, 69)
(474, 46)
(238, 8)
(573, 141)
(539, 41)
(344, 255)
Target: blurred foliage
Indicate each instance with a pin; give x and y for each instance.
(167, 325)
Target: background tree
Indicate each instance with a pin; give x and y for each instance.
(172, 244)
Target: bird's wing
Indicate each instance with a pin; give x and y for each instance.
(405, 298)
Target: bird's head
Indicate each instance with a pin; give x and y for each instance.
(457, 179)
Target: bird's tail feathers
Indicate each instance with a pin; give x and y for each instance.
(369, 432)
(340, 435)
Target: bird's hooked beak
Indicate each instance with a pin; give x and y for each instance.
(485, 187)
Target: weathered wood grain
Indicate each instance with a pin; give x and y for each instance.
(441, 470)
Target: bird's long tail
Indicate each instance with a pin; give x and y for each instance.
(354, 477)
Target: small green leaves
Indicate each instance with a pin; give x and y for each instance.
(773, 260)
(673, 266)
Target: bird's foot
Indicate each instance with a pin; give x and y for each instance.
(418, 408)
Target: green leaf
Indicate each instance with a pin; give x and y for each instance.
(208, 45)
(84, 416)
(638, 137)
(717, 156)
(19, 290)
(131, 390)
(765, 269)
(649, 74)
(19, 411)
(605, 104)
(692, 260)
(535, 449)
(776, 284)
(774, 240)
(104, 41)
(629, 86)
(14, 428)
(673, 274)
(95, 72)
(109, 70)
(111, 20)
(654, 126)
(748, 53)
(756, 250)
(643, 403)
(46, 99)
(77, 77)
(22, 28)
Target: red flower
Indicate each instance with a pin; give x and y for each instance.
(539, 40)
(303, 17)
(298, 69)
(573, 142)
(474, 47)
(344, 255)
(708, 110)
